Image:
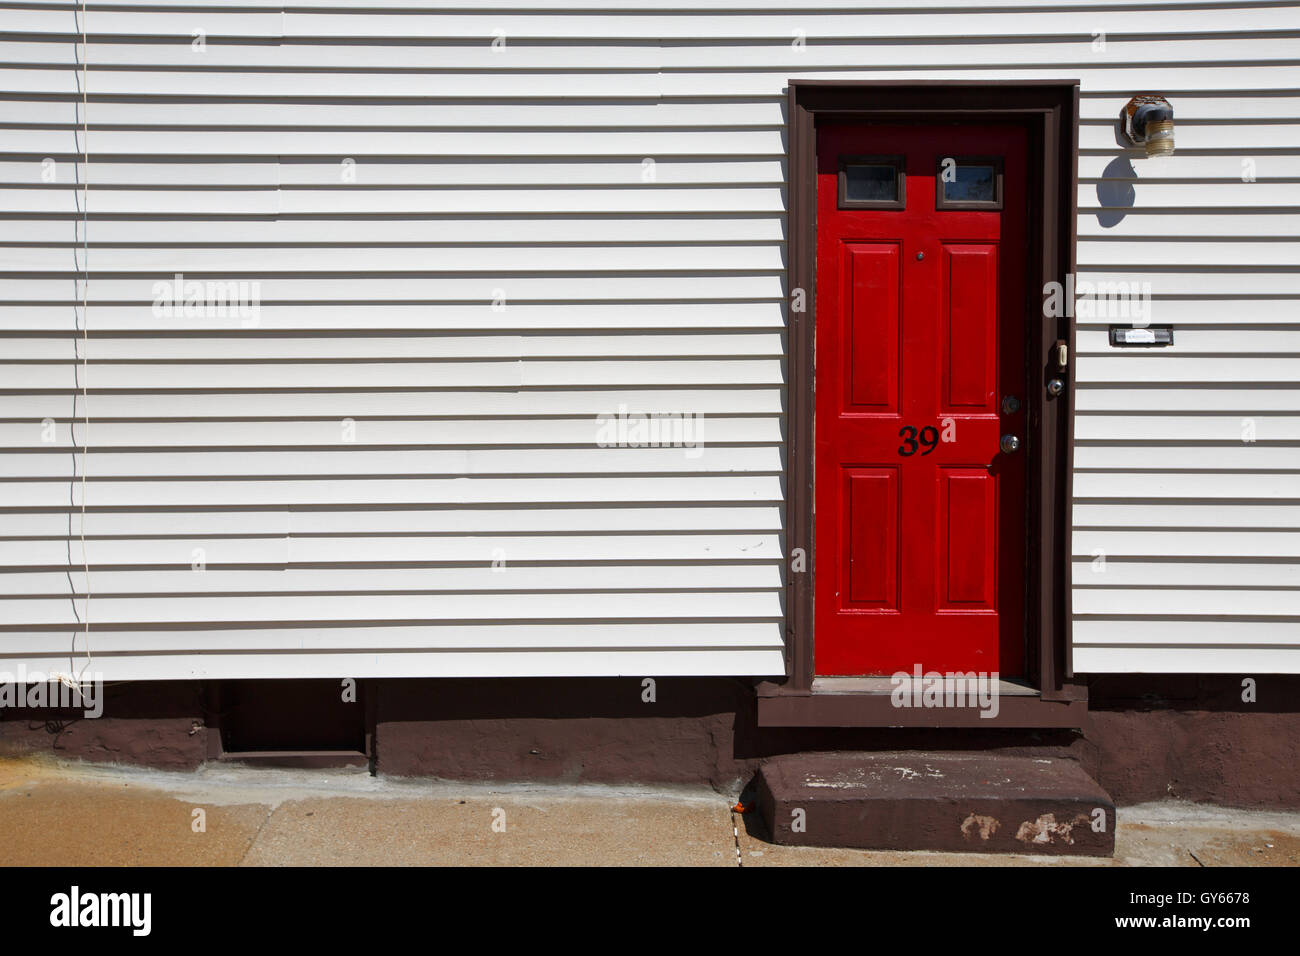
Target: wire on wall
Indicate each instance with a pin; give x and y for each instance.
(85, 339)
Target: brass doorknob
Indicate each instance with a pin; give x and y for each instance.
(1010, 443)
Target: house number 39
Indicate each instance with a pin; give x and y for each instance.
(929, 440)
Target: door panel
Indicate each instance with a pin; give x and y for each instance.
(921, 308)
(968, 538)
(872, 558)
(970, 325)
(872, 274)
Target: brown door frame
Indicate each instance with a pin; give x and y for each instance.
(1049, 109)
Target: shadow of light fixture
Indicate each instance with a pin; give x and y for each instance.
(1147, 121)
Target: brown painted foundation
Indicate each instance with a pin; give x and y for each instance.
(1145, 738)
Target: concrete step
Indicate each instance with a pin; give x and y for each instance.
(957, 802)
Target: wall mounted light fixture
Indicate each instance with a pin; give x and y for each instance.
(1148, 121)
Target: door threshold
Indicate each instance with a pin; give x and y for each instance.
(873, 702)
(887, 685)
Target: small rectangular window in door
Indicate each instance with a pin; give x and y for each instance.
(968, 182)
(872, 182)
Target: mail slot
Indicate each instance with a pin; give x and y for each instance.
(1150, 336)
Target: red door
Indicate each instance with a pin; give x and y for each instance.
(921, 385)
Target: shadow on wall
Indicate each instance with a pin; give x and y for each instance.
(1115, 192)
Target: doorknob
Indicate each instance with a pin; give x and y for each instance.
(1010, 443)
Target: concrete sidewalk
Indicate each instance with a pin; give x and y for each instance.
(73, 814)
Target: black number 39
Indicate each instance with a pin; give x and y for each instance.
(929, 440)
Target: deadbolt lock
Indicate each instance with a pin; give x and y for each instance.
(1009, 444)
(1010, 404)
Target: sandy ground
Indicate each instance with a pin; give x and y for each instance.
(74, 814)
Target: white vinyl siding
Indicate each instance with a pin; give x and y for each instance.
(615, 173)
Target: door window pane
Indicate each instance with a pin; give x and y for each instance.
(972, 184)
(969, 182)
(871, 182)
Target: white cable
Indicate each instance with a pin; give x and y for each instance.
(77, 681)
(85, 310)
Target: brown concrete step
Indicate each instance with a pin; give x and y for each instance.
(980, 802)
